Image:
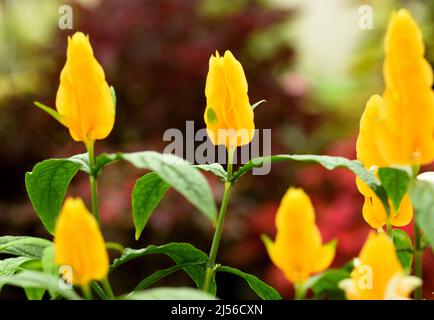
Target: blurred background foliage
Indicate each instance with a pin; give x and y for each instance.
(307, 58)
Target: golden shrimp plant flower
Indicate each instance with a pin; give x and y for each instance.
(79, 243)
(378, 274)
(228, 114)
(298, 250)
(84, 100)
(397, 128)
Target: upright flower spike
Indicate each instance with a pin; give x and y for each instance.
(377, 274)
(397, 128)
(228, 115)
(298, 250)
(79, 243)
(84, 100)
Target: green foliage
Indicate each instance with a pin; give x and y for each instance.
(46, 186)
(404, 248)
(147, 193)
(326, 284)
(327, 162)
(396, 183)
(215, 168)
(30, 247)
(170, 294)
(180, 253)
(263, 290)
(180, 175)
(422, 198)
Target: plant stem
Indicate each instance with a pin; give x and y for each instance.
(210, 267)
(299, 291)
(93, 182)
(107, 288)
(418, 252)
(87, 293)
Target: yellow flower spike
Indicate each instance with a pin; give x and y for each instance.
(228, 115)
(79, 243)
(397, 128)
(298, 250)
(378, 274)
(84, 100)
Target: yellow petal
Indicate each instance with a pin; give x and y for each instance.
(297, 249)
(83, 98)
(228, 115)
(79, 243)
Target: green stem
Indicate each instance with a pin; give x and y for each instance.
(299, 291)
(87, 293)
(107, 288)
(389, 228)
(418, 252)
(210, 267)
(93, 182)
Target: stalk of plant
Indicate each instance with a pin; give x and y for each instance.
(210, 266)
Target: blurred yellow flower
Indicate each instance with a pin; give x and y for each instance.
(298, 250)
(84, 101)
(79, 243)
(397, 128)
(378, 274)
(228, 115)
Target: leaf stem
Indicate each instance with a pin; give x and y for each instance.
(210, 267)
(93, 181)
(418, 252)
(87, 293)
(107, 288)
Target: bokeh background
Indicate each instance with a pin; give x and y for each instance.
(307, 58)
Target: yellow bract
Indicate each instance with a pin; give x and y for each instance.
(228, 115)
(378, 274)
(79, 243)
(397, 128)
(298, 250)
(83, 100)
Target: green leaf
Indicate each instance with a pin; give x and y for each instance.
(35, 279)
(160, 274)
(50, 111)
(164, 293)
(404, 248)
(327, 162)
(257, 104)
(24, 246)
(326, 284)
(11, 265)
(422, 198)
(396, 182)
(101, 160)
(147, 193)
(215, 168)
(180, 175)
(180, 253)
(46, 186)
(34, 293)
(263, 290)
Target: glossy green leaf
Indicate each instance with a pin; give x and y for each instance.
(30, 247)
(327, 162)
(404, 248)
(35, 279)
(422, 198)
(147, 193)
(180, 253)
(180, 175)
(11, 265)
(52, 112)
(160, 274)
(34, 293)
(46, 186)
(326, 284)
(215, 168)
(263, 290)
(170, 294)
(396, 183)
